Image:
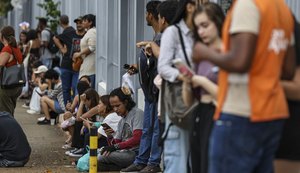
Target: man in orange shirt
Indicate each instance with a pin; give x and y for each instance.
(258, 52)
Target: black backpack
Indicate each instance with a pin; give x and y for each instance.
(51, 45)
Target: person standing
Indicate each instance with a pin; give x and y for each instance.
(46, 55)
(208, 21)
(65, 43)
(258, 52)
(9, 56)
(149, 151)
(176, 144)
(88, 49)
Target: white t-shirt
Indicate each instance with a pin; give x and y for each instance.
(112, 120)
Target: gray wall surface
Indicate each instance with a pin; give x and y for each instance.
(120, 25)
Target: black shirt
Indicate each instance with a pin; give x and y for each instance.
(13, 142)
(70, 38)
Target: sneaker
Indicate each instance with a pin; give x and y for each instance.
(71, 151)
(133, 168)
(30, 111)
(25, 105)
(151, 169)
(44, 122)
(77, 153)
(66, 146)
(41, 119)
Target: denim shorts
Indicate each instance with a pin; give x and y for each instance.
(57, 107)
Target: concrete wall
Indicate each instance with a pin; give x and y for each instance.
(120, 24)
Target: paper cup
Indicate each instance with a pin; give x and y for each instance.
(52, 121)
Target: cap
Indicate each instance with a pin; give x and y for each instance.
(41, 69)
(78, 19)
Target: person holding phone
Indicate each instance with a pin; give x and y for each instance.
(207, 20)
(258, 52)
(124, 145)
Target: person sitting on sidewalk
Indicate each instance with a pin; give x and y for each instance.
(124, 146)
(70, 115)
(54, 100)
(15, 149)
(38, 91)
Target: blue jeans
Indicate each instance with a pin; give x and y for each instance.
(93, 81)
(149, 151)
(240, 146)
(69, 80)
(176, 149)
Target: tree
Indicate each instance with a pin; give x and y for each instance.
(52, 13)
(5, 7)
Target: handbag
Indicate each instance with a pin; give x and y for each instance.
(77, 64)
(179, 114)
(13, 76)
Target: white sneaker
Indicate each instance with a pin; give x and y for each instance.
(66, 146)
(25, 106)
(41, 118)
(30, 111)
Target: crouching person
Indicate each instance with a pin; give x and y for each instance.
(124, 146)
(14, 147)
(54, 100)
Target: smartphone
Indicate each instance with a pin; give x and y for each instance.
(183, 68)
(106, 126)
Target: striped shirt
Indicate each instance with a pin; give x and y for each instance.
(57, 94)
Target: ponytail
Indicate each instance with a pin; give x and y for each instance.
(8, 33)
(12, 41)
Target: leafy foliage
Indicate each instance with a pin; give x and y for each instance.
(5, 7)
(52, 13)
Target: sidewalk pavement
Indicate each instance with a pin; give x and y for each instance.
(46, 141)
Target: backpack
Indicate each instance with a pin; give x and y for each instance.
(173, 105)
(51, 45)
(147, 73)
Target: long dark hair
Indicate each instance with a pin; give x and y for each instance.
(181, 10)
(214, 12)
(124, 96)
(92, 95)
(105, 100)
(31, 35)
(8, 33)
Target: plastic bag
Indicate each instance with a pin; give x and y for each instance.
(83, 163)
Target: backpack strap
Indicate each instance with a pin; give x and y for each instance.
(183, 46)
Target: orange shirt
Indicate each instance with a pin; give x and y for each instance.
(266, 94)
(17, 54)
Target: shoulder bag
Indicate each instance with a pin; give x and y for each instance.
(13, 76)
